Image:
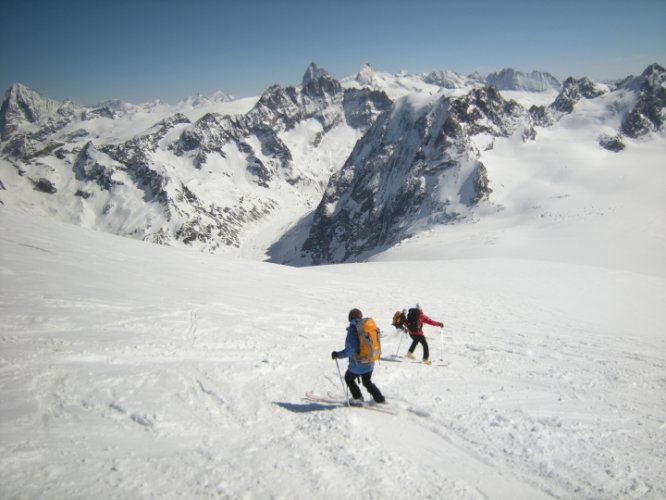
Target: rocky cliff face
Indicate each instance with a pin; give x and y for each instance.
(648, 113)
(25, 106)
(56, 147)
(417, 165)
(573, 91)
(645, 116)
(510, 79)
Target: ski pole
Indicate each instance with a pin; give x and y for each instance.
(344, 388)
(441, 336)
(398, 350)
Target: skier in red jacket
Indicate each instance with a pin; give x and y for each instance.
(416, 318)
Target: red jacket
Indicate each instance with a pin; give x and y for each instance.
(423, 319)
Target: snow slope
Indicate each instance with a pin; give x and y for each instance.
(136, 371)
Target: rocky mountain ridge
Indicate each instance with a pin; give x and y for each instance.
(510, 79)
(416, 166)
(377, 157)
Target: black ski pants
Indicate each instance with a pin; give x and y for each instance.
(366, 380)
(419, 339)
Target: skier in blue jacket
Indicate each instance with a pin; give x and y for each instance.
(357, 369)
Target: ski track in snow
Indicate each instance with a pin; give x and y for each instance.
(132, 371)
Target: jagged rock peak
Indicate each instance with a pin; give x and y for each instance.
(200, 100)
(366, 75)
(653, 76)
(654, 71)
(314, 73)
(16, 90)
(447, 79)
(20, 91)
(510, 79)
(648, 113)
(565, 101)
(28, 103)
(24, 105)
(318, 83)
(590, 89)
(572, 92)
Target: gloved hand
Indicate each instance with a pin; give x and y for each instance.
(441, 325)
(334, 355)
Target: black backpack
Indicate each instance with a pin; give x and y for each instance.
(413, 320)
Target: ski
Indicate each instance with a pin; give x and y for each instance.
(369, 405)
(399, 359)
(341, 402)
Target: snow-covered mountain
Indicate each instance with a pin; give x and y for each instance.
(510, 79)
(428, 161)
(453, 80)
(203, 173)
(324, 171)
(417, 166)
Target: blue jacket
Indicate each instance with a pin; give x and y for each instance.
(351, 350)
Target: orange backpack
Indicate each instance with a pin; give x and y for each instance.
(368, 340)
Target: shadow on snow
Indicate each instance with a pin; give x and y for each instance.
(305, 407)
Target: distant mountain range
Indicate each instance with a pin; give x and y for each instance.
(325, 171)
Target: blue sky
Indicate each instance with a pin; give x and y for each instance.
(142, 50)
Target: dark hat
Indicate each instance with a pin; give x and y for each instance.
(355, 313)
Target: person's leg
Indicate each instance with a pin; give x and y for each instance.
(426, 351)
(366, 379)
(415, 342)
(350, 378)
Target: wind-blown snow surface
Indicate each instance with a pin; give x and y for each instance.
(136, 371)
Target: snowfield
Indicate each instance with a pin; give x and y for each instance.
(136, 371)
